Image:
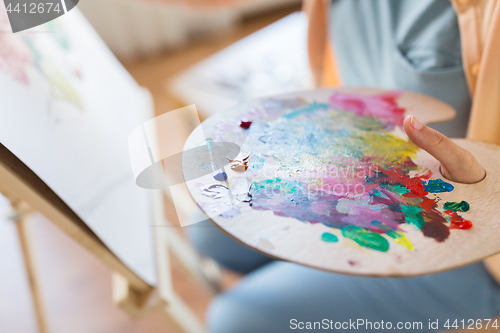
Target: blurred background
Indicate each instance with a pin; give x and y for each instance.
(212, 53)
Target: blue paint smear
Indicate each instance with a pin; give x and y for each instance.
(220, 176)
(314, 106)
(437, 186)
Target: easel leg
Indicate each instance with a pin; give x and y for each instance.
(19, 217)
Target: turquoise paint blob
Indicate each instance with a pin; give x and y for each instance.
(437, 186)
(257, 164)
(329, 238)
(285, 186)
(462, 206)
(396, 188)
(413, 215)
(311, 108)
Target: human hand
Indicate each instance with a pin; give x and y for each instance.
(457, 164)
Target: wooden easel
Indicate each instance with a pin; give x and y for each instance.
(28, 193)
(18, 215)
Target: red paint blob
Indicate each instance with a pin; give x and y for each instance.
(458, 222)
(413, 184)
(426, 175)
(464, 225)
(245, 124)
(428, 203)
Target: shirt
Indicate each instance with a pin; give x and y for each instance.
(479, 25)
(403, 44)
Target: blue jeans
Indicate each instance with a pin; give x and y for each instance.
(284, 297)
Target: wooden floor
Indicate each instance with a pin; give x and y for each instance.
(76, 286)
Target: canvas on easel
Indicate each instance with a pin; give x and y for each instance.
(67, 108)
(67, 102)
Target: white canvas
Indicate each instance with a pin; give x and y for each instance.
(67, 107)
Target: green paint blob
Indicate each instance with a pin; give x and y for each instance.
(461, 206)
(366, 238)
(413, 216)
(398, 236)
(329, 238)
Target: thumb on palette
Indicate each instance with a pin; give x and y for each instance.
(457, 164)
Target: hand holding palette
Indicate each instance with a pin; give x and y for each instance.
(330, 180)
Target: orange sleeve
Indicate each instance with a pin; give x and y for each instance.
(330, 76)
(484, 123)
(320, 52)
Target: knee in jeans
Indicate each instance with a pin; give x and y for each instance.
(227, 315)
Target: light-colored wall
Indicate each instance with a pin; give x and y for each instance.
(132, 28)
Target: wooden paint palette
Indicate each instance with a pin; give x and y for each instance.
(332, 183)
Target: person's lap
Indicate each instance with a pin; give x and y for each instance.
(272, 296)
(268, 299)
(213, 243)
